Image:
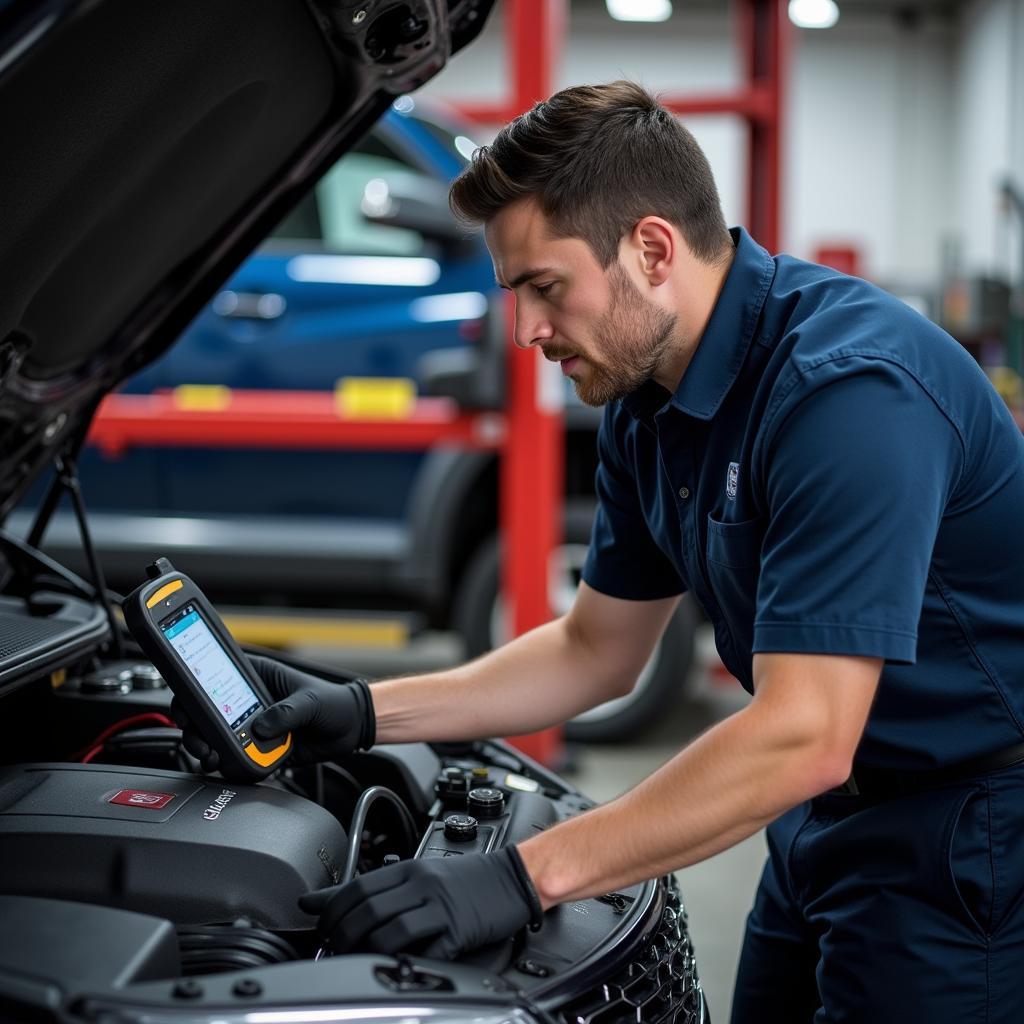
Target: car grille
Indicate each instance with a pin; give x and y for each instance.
(660, 987)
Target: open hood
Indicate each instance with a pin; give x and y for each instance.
(148, 147)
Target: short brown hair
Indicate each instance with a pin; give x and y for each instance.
(598, 158)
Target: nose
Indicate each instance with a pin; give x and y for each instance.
(531, 327)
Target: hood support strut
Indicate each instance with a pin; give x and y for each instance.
(66, 481)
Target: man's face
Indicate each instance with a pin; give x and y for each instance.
(606, 335)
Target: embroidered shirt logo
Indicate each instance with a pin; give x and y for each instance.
(731, 480)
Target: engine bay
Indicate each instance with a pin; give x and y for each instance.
(124, 870)
(110, 825)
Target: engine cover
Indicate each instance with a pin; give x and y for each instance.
(192, 849)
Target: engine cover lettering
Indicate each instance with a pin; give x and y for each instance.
(212, 813)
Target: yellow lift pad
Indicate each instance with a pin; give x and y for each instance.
(202, 397)
(291, 630)
(385, 398)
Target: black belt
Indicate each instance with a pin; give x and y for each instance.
(879, 782)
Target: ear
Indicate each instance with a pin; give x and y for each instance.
(656, 245)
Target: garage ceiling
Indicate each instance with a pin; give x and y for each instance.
(908, 9)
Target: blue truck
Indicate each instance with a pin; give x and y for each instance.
(368, 277)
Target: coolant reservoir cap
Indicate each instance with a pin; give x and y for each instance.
(460, 828)
(485, 802)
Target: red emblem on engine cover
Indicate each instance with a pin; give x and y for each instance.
(142, 798)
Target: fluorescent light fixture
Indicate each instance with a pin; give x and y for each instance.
(435, 309)
(640, 10)
(813, 13)
(399, 271)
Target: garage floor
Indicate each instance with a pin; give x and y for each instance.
(718, 892)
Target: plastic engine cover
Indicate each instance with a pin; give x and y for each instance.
(191, 849)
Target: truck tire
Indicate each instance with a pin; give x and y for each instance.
(477, 615)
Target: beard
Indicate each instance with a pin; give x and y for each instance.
(629, 344)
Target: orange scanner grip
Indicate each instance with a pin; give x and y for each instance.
(269, 757)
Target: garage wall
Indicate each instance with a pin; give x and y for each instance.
(988, 71)
(870, 107)
(897, 127)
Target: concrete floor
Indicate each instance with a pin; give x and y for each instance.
(717, 892)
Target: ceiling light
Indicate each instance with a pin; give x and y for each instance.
(640, 10)
(813, 13)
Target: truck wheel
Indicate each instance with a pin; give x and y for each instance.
(478, 617)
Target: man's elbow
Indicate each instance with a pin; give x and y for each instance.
(826, 769)
(622, 683)
(819, 761)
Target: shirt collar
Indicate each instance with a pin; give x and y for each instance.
(723, 347)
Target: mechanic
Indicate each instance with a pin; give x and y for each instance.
(841, 489)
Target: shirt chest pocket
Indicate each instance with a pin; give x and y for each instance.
(734, 566)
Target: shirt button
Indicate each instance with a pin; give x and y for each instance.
(684, 492)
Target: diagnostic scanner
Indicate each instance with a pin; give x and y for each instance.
(184, 637)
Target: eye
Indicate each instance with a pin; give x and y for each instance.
(543, 289)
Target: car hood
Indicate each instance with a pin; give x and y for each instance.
(148, 148)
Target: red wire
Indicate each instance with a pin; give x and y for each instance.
(92, 749)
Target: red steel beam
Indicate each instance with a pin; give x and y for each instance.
(754, 104)
(534, 33)
(532, 484)
(764, 39)
(532, 469)
(530, 516)
(284, 419)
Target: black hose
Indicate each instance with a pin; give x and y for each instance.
(358, 823)
(209, 949)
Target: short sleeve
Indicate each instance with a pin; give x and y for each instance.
(623, 559)
(857, 475)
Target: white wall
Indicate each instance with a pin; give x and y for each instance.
(895, 134)
(869, 111)
(989, 74)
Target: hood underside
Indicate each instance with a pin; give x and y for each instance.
(148, 147)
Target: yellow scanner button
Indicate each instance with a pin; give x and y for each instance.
(165, 591)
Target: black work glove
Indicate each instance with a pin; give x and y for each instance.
(437, 907)
(327, 720)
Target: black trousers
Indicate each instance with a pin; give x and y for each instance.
(891, 910)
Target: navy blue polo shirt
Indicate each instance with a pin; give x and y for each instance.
(833, 475)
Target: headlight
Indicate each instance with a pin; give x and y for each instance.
(333, 1015)
(382, 1015)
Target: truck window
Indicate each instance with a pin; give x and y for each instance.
(329, 217)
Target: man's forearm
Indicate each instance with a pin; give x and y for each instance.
(732, 781)
(540, 679)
